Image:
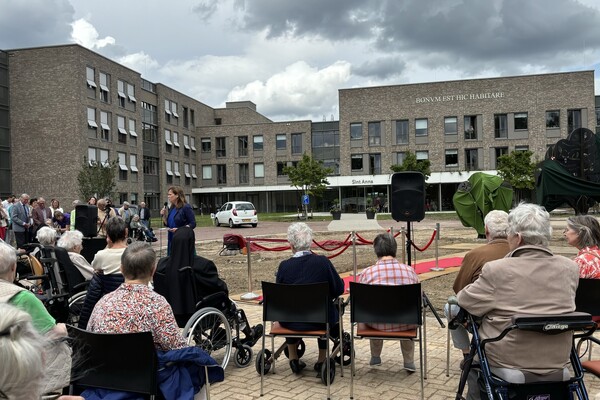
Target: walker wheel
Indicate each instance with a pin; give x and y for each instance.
(331, 372)
(263, 361)
(242, 356)
(346, 352)
(300, 349)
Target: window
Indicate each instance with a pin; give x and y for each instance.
(105, 125)
(259, 170)
(281, 142)
(500, 126)
(131, 93)
(192, 118)
(174, 109)
(221, 174)
(553, 119)
(169, 146)
(296, 143)
(421, 127)
(121, 129)
(206, 145)
(356, 162)
(133, 132)
(374, 164)
(522, 148)
(374, 133)
(356, 131)
(134, 198)
(169, 170)
(452, 158)
(193, 143)
(597, 116)
(470, 127)
(401, 127)
(121, 93)
(471, 157)
(168, 110)
(91, 116)
(242, 146)
(175, 139)
(122, 166)
(150, 133)
(104, 87)
(257, 143)
(133, 167)
(97, 156)
(90, 74)
(422, 155)
(176, 171)
(573, 120)
(521, 121)
(122, 197)
(186, 119)
(194, 171)
(243, 173)
(150, 166)
(186, 173)
(221, 150)
(400, 156)
(207, 172)
(499, 152)
(450, 126)
(186, 145)
(280, 166)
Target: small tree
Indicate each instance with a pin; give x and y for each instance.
(97, 179)
(517, 169)
(310, 176)
(411, 163)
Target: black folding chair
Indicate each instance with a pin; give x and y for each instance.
(587, 300)
(308, 303)
(386, 304)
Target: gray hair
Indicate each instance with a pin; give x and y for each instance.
(496, 222)
(384, 245)
(76, 203)
(300, 236)
(532, 222)
(138, 260)
(587, 228)
(8, 258)
(22, 354)
(70, 239)
(46, 236)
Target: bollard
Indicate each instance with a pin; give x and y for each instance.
(437, 241)
(250, 295)
(403, 234)
(353, 234)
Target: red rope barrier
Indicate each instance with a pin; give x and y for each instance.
(363, 240)
(427, 245)
(340, 252)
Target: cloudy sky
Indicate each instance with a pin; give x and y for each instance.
(290, 57)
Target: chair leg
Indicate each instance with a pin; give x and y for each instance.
(422, 362)
(262, 367)
(424, 337)
(207, 383)
(352, 362)
(448, 351)
(328, 361)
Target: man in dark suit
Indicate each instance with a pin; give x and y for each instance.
(145, 215)
(41, 214)
(21, 220)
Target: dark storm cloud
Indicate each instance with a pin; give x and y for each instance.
(381, 68)
(34, 23)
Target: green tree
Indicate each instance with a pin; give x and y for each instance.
(517, 169)
(309, 176)
(97, 179)
(411, 163)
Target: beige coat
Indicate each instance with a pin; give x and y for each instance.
(530, 280)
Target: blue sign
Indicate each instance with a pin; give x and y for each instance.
(305, 199)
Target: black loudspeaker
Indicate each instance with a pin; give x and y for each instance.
(91, 246)
(408, 196)
(86, 218)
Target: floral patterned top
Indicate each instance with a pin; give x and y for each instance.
(588, 260)
(137, 308)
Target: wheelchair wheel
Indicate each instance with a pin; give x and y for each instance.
(300, 349)
(331, 372)
(242, 356)
(263, 361)
(346, 351)
(75, 303)
(208, 329)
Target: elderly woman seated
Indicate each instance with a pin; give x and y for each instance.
(135, 307)
(72, 241)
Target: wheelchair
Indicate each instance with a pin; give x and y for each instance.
(216, 327)
(49, 273)
(500, 384)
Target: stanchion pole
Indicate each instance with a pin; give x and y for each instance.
(437, 241)
(353, 235)
(250, 295)
(403, 235)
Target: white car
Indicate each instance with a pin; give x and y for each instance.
(235, 213)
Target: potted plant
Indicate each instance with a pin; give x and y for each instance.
(370, 210)
(335, 210)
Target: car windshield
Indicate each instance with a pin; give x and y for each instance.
(244, 206)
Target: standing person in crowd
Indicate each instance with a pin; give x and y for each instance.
(126, 213)
(388, 271)
(145, 215)
(92, 201)
(4, 218)
(42, 216)
(55, 206)
(529, 280)
(61, 222)
(72, 241)
(72, 214)
(307, 267)
(496, 226)
(7, 204)
(21, 219)
(583, 232)
(104, 214)
(178, 214)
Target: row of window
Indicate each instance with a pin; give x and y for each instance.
(173, 145)
(126, 127)
(257, 144)
(125, 90)
(172, 115)
(128, 169)
(174, 176)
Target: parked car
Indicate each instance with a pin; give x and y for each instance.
(235, 213)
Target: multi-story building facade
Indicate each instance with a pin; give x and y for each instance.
(69, 104)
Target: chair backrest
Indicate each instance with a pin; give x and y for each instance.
(123, 362)
(307, 303)
(72, 274)
(398, 304)
(587, 298)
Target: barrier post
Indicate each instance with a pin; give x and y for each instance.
(403, 234)
(355, 269)
(437, 241)
(250, 295)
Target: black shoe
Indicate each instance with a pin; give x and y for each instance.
(256, 333)
(318, 366)
(297, 366)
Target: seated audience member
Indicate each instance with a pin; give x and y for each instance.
(61, 222)
(529, 280)
(105, 213)
(46, 236)
(58, 354)
(583, 232)
(23, 352)
(107, 268)
(183, 294)
(72, 241)
(305, 267)
(388, 271)
(135, 307)
(496, 225)
(140, 230)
